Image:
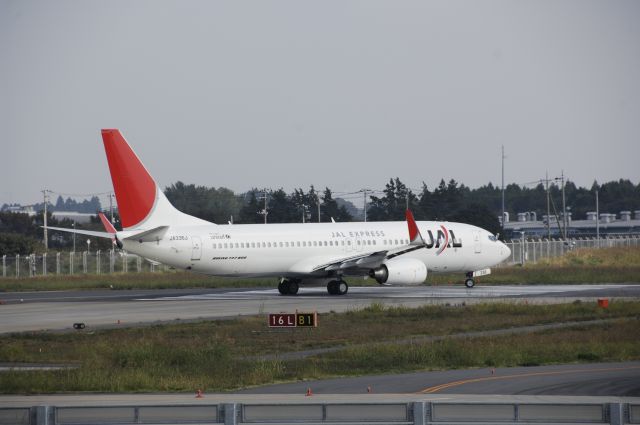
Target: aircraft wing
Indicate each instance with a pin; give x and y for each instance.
(368, 260)
(371, 260)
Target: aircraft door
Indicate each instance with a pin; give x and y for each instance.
(196, 247)
(477, 244)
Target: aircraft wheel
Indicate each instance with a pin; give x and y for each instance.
(283, 287)
(469, 283)
(332, 287)
(341, 287)
(293, 287)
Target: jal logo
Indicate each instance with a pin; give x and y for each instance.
(445, 238)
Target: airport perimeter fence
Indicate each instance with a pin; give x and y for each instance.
(115, 261)
(533, 250)
(69, 263)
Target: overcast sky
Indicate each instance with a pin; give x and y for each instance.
(343, 94)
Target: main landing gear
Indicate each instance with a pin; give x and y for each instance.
(337, 287)
(469, 282)
(288, 286)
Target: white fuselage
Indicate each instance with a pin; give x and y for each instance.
(290, 250)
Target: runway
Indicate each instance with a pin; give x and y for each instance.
(594, 379)
(59, 310)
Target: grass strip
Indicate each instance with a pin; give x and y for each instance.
(212, 355)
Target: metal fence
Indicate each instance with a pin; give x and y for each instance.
(529, 410)
(86, 262)
(533, 250)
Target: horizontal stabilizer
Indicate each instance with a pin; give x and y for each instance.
(82, 232)
(152, 235)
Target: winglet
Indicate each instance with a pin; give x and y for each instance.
(107, 224)
(415, 238)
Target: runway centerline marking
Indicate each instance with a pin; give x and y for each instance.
(436, 388)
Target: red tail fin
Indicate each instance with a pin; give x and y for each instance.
(134, 186)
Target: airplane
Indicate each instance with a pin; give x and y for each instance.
(392, 253)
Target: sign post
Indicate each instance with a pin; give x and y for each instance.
(292, 320)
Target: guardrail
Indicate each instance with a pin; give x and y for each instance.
(415, 412)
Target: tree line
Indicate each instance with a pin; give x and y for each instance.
(450, 201)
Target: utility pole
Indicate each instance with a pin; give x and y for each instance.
(304, 212)
(502, 218)
(564, 208)
(46, 236)
(597, 218)
(265, 212)
(548, 210)
(318, 202)
(364, 191)
(111, 206)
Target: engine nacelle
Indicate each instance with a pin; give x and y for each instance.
(400, 271)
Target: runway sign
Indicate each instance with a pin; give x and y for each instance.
(292, 320)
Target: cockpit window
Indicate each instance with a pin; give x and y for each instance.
(493, 238)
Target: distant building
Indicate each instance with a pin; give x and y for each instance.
(78, 217)
(610, 225)
(20, 209)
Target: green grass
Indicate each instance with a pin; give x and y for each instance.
(155, 280)
(213, 355)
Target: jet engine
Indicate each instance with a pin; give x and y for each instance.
(400, 271)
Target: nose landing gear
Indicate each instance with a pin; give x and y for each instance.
(469, 282)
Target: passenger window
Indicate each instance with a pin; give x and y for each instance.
(325, 243)
(269, 244)
(349, 243)
(315, 243)
(286, 244)
(342, 243)
(374, 241)
(358, 242)
(396, 242)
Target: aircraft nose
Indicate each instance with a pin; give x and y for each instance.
(505, 251)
